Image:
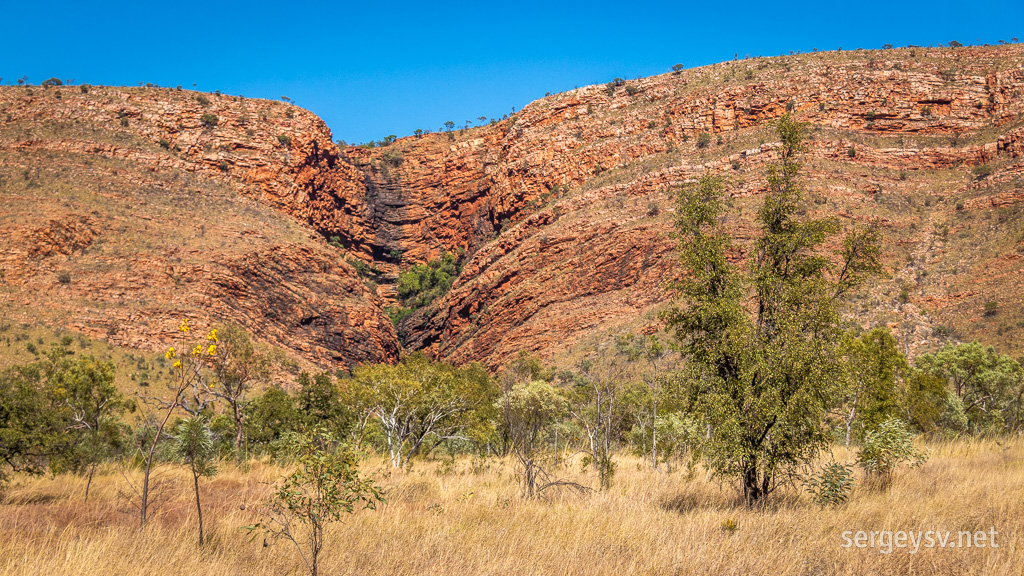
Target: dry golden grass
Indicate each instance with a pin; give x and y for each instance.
(441, 519)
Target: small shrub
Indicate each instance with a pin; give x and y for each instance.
(832, 485)
(991, 308)
(203, 100)
(84, 88)
(423, 283)
(397, 314)
(209, 120)
(631, 90)
(392, 158)
(851, 152)
(960, 206)
(609, 88)
(887, 447)
(165, 144)
(284, 140)
(64, 277)
(653, 209)
(51, 82)
(821, 106)
(982, 171)
(325, 486)
(703, 139)
(729, 525)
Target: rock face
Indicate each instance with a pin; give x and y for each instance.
(127, 209)
(160, 201)
(925, 141)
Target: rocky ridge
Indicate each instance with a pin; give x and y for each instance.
(564, 209)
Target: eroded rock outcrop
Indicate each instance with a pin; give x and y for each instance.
(563, 210)
(127, 209)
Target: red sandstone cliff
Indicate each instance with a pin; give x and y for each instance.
(564, 209)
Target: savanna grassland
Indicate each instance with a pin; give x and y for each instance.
(466, 517)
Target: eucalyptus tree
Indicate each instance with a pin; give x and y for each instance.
(761, 339)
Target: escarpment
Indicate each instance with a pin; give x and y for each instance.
(126, 209)
(160, 201)
(926, 142)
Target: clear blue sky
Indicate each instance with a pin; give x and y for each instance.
(370, 69)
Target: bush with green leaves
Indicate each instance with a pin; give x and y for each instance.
(988, 386)
(982, 171)
(209, 120)
(874, 364)
(31, 429)
(269, 418)
(831, 485)
(887, 447)
(92, 406)
(531, 411)
(421, 284)
(325, 486)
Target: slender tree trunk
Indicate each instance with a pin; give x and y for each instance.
(199, 508)
(88, 483)
(654, 431)
(849, 423)
(238, 425)
(318, 542)
(144, 505)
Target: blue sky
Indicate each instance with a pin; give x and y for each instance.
(370, 69)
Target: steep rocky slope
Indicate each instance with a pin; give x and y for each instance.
(564, 209)
(125, 209)
(926, 141)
